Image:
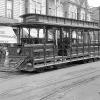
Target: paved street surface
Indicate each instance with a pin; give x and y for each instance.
(81, 82)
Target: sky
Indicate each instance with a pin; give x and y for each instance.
(94, 3)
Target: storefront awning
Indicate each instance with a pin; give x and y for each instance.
(7, 35)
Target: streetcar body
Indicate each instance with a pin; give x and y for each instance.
(63, 41)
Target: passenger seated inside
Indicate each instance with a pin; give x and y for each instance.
(32, 40)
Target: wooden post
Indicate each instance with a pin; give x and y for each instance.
(33, 58)
(19, 36)
(70, 36)
(22, 36)
(22, 32)
(77, 40)
(44, 31)
(29, 33)
(98, 42)
(83, 43)
(47, 35)
(38, 35)
(54, 46)
(88, 43)
(94, 42)
(56, 38)
(61, 39)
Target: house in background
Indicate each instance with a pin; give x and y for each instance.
(95, 15)
(10, 10)
(73, 9)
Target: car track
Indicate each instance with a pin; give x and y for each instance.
(74, 80)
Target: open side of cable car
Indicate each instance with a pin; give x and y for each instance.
(57, 40)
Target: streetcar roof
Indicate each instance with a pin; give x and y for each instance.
(40, 20)
(51, 16)
(57, 25)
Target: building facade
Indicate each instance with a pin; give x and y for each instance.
(10, 10)
(95, 15)
(74, 9)
(7, 11)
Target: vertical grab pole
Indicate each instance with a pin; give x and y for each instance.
(54, 46)
(19, 36)
(88, 43)
(63, 46)
(33, 60)
(98, 42)
(92, 48)
(22, 32)
(70, 36)
(61, 40)
(38, 35)
(22, 36)
(44, 31)
(81, 47)
(77, 40)
(83, 43)
(94, 42)
(91, 43)
(29, 33)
